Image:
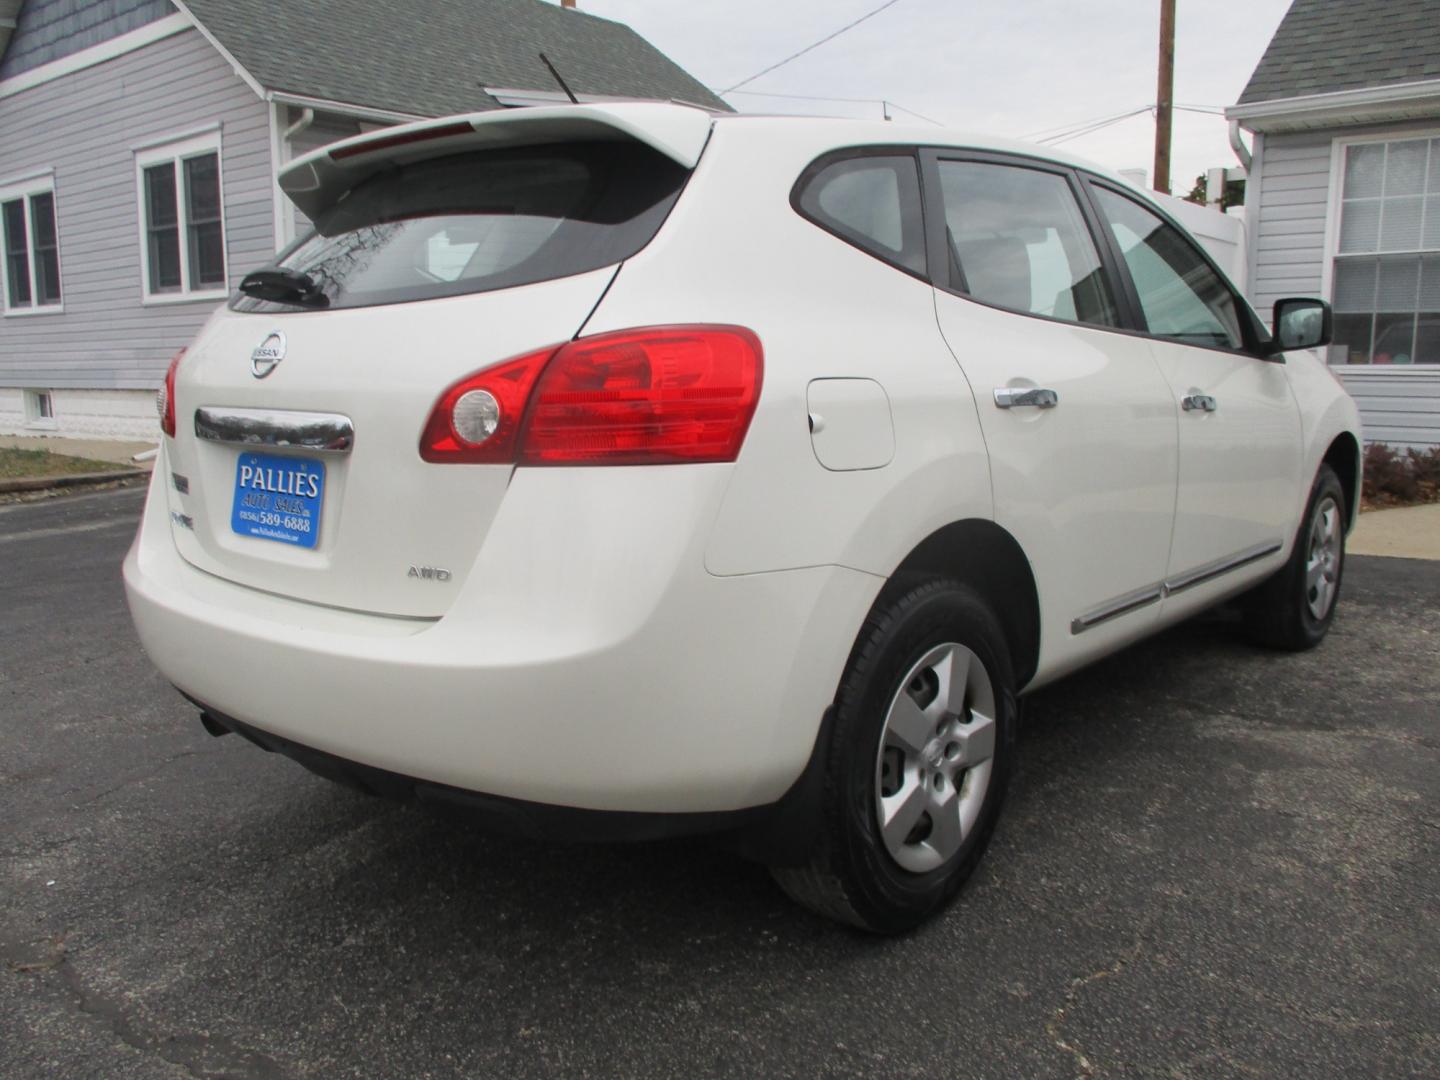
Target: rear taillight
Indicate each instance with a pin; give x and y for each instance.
(165, 400)
(658, 395)
(456, 430)
(641, 397)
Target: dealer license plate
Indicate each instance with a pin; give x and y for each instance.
(278, 498)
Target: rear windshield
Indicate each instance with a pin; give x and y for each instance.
(487, 220)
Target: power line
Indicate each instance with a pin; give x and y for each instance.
(1056, 140)
(1051, 136)
(883, 102)
(1056, 135)
(1075, 130)
(807, 97)
(1043, 134)
(912, 112)
(816, 45)
(1072, 125)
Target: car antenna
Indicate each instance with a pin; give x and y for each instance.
(568, 92)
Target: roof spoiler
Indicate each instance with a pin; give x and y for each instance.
(319, 179)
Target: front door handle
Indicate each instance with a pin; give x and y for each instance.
(1037, 397)
(1202, 402)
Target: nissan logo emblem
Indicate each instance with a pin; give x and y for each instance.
(267, 354)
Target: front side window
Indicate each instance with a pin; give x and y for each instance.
(1018, 240)
(873, 202)
(31, 268)
(1386, 274)
(182, 220)
(1181, 296)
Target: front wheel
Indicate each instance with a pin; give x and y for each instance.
(923, 738)
(1294, 609)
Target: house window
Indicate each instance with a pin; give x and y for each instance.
(39, 409)
(182, 222)
(30, 270)
(1386, 281)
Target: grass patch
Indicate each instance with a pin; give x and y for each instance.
(15, 464)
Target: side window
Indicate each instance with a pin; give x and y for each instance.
(1180, 296)
(872, 202)
(1017, 239)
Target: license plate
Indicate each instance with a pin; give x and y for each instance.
(278, 498)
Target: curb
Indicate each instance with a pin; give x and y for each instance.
(43, 483)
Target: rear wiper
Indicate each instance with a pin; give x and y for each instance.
(282, 285)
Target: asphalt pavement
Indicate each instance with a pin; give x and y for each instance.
(1215, 861)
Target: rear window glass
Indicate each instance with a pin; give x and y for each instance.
(482, 221)
(874, 203)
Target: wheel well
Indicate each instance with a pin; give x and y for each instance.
(1344, 457)
(984, 556)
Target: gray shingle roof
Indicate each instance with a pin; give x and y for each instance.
(432, 57)
(47, 30)
(1323, 46)
(8, 10)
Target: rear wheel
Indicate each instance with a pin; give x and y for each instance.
(923, 739)
(1293, 610)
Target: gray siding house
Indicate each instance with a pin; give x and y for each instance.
(139, 142)
(1343, 199)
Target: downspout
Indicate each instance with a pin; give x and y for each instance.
(284, 219)
(307, 117)
(1242, 153)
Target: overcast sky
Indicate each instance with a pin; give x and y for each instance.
(1012, 68)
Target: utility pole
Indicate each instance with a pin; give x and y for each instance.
(1164, 96)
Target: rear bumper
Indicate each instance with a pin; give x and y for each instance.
(780, 833)
(572, 670)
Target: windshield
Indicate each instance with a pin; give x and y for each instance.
(491, 219)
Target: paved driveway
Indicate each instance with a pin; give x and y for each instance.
(1215, 862)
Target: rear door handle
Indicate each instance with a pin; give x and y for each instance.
(1035, 397)
(1202, 402)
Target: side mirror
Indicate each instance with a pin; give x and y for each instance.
(1301, 324)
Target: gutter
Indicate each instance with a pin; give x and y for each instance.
(1339, 105)
(344, 108)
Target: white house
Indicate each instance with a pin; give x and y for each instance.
(1343, 198)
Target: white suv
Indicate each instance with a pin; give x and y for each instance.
(625, 471)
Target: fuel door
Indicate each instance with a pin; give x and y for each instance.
(850, 424)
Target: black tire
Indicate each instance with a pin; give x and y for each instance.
(1279, 614)
(851, 875)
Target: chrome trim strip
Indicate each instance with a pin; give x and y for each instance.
(1115, 608)
(323, 433)
(1149, 594)
(1202, 574)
